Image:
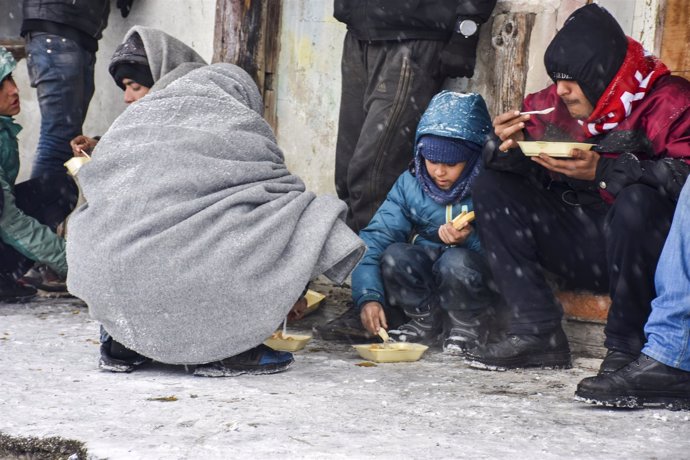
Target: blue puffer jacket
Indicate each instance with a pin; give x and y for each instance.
(410, 215)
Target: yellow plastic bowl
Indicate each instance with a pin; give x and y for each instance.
(552, 149)
(392, 352)
(314, 301)
(289, 342)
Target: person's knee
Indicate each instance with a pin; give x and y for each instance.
(393, 256)
(459, 265)
(637, 209)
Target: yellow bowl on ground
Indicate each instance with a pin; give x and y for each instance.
(391, 352)
(288, 342)
(552, 149)
(314, 301)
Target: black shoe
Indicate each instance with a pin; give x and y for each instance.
(256, 361)
(115, 357)
(12, 292)
(519, 351)
(643, 382)
(425, 326)
(345, 328)
(466, 330)
(615, 360)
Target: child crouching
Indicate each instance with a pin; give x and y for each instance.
(417, 263)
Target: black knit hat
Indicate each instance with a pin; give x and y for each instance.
(589, 49)
(129, 61)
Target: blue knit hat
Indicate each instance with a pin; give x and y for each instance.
(7, 63)
(448, 150)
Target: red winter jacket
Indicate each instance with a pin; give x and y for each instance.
(657, 133)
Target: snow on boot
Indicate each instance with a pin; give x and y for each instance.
(424, 327)
(466, 330)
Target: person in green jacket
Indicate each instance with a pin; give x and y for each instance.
(30, 211)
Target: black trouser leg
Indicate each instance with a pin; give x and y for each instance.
(386, 88)
(636, 229)
(526, 229)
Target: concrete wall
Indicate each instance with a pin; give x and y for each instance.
(190, 21)
(308, 77)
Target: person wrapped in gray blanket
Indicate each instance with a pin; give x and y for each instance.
(195, 240)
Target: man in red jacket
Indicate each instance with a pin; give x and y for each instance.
(597, 220)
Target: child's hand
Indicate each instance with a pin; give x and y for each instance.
(450, 235)
(373, 317)
(298, 309)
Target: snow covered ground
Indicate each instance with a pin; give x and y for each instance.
(325, 406)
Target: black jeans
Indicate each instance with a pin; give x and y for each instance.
(48, 199)
(526, 229)
(386, 86)
(419, 277)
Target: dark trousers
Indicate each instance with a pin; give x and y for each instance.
(417, 278)
(386, 86)
(526, 229)
(48, 199)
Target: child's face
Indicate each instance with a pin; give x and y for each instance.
(444, 175)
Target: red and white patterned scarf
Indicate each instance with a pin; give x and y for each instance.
(637, 74)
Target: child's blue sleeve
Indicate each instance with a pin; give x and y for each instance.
(391, 224)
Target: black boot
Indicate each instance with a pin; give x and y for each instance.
(425, 326)
(115, 357)
(346, 328)
(12, 292)
(519, 351)
(643, 382)
(465, 330)
(615, 360)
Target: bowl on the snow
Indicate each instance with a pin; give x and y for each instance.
(287, 342)
(552, 149)
(391, 352)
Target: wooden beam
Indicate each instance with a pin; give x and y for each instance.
(247, 34)
(675, 42)
(510, 40)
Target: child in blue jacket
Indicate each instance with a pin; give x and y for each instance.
(416, 260)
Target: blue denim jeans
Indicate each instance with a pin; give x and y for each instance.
(418, 277)
(668, 326)
(62, 73)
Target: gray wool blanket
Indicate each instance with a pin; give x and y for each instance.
(195, 240)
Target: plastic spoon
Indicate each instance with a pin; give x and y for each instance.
(539, 112)
(384, 335)
(284, 328)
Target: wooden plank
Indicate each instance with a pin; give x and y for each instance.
(510, 34)
(675, 42)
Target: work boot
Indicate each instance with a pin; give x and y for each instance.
(614, 361)
(13, 292)
(518, 351)
(643, 382)
(115, 357)
(256, 361)
(466, 330)
(345, 328)
(425, 326)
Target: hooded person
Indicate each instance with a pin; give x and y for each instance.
(145, 57)
(422, 277)
(597, 220)
(30, 211)
(214, 240)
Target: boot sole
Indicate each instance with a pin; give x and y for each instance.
(18, 299)
(545, 361)
(634, 401)
(228, 372)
